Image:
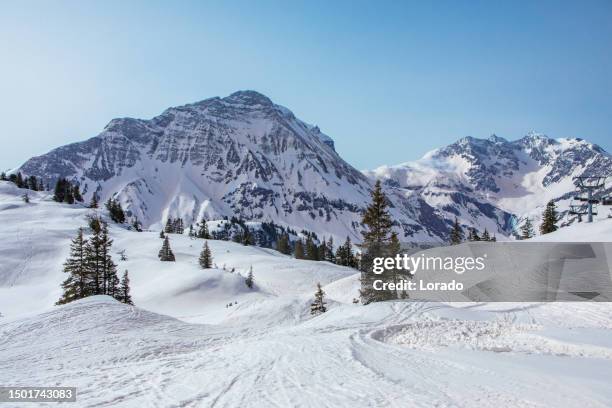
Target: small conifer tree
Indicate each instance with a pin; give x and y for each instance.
(318, 306)
(165, 253)
(549, 219)
(527, 230)
(486, 236)
(456, 233)
(124, 290)
(205, 259)
(94, 201)
(249, 281)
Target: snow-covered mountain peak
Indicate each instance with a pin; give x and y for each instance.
(493, 179)
(497, 139)
(241, 156)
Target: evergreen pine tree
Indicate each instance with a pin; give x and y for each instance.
(110, 280)
(205, 257)
(32, 183)
(76, 193)
(329, 250)
(165, 253)
(312, 252)
(322, 250)
(169, 229)
(124, 290)
(249, 281)
(282, 244)
(344, 254)
(26, 198)
(60, 191)
(318, 306)
(94, 201)
(94, 254)
(394, 250)
(486, 236)
(115, 211)
(527, 230)
(19, 180)
(246, 239)
(3, 176)
(203, 231)
(75, 285)
(473, 236)
(299, 250)
(136, 224)
(68, 192)
(376, 238)
(549, 219)
(456, 233)
(161, 234)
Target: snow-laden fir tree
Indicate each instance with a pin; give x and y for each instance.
(205, 259)
(376, 240)
(26, 198)
(75, 286)
(549, 219)
(165, 253)
(249, 281)
(527, 230)
(456, 235)
(124, 290)
(318, 306)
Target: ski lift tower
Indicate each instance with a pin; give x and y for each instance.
(589, 191)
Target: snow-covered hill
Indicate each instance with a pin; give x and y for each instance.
(181, 345)
(35, 239)
(391, 354)
(494, 183)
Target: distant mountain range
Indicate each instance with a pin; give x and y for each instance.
(245, 156)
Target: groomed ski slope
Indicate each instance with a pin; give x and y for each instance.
(181, 347)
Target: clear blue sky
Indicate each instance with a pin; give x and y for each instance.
(388, 81)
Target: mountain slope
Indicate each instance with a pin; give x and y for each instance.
(494, 183)
(236, 156)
